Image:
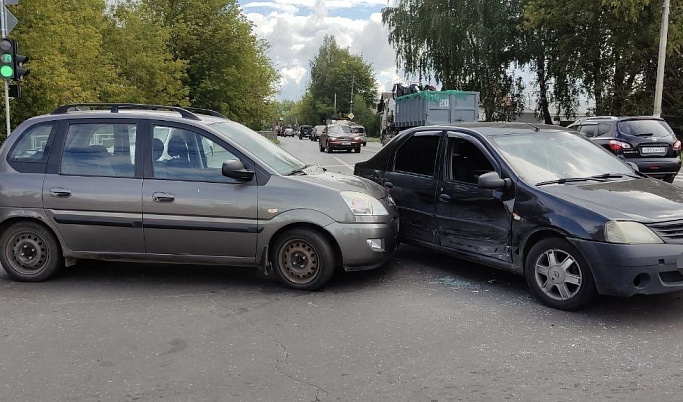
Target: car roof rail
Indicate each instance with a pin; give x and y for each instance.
(115, 107)
(207, 112)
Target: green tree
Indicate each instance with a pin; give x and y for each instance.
(336, 76)
(68, 64)
(137, 41)
(464, 44)
(228, 69)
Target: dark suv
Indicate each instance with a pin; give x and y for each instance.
(305, 131)
(646, 141)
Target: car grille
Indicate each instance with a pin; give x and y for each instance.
(670, 232)
(671, 277)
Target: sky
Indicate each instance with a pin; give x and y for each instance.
(295, 30)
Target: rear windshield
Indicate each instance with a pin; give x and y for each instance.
(646, 128)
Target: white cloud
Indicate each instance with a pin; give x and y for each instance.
(296, 38)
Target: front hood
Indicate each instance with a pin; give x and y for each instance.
(344, 182)
(643, 200)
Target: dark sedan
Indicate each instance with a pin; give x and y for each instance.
(539, 201)
(339, 136)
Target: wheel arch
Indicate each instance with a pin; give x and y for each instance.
(535, 237)
(339, 260)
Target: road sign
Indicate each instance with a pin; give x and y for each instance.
(351, 116)
(11, 19)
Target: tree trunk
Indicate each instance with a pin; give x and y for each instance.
(543, 90)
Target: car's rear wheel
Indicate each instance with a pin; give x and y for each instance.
(669, 178)
(31, 253)
(558, 275)
(303, 259)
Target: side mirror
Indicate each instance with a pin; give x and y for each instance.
(235, 169)
(633, 166)
(492, 181)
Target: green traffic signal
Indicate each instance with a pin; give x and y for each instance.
(6, 72)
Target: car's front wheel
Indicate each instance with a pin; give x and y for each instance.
(558, 275)
(303, 259)
(31, 253)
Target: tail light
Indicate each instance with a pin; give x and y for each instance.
(618, 146)
(677, 145)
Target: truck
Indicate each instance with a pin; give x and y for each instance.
(425, 108)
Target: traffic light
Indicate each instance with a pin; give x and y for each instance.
(11, 62)
(7, 50)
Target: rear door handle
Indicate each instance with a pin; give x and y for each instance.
(59, 192)
(163, 197)
(445, 198)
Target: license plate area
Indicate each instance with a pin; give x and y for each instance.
(653, 151)
(346, 143)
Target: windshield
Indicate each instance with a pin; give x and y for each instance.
(646, 128)
(262, 148)
(545, 156)
(339, 130)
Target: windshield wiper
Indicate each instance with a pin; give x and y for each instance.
(300, 170)
(569, 180)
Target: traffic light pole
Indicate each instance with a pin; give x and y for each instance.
(3, 28)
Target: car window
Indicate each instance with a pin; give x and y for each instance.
(604, 129)
(99, 150)
(465, 162)
(589, 130)
(270, 154)
(31, 147)
(646, 128)
(180, 154)
(418, 155)
(543, 156)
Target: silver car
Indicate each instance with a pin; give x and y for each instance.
(133, 183)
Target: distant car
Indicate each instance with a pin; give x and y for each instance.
(289, 132)
(317, 131)
(339, 136)
(305, 131)
(646, 141)
(360, 130)
(180, 187)
(539, 201)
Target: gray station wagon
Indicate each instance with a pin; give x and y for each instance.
(171, 185)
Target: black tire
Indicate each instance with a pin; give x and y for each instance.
(670, 178)
(31, 253)
(328, 149)
(300, 138)
(357, 149)
(565, 288)
(365, 143)
(302, 259)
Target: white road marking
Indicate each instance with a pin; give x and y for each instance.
(344, 163)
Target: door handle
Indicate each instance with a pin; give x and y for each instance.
(163, 197)
(445, 198)
(59, 192)
(388, 184)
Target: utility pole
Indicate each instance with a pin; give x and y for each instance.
(335, 104)
(3, 29)
(353, 81)
(663, 36)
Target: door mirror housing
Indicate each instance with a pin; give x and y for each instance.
(234, 168)
(492, 181)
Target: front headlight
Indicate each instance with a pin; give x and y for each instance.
(363, 204)
(625, 232)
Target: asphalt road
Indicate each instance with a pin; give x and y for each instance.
(426, 327)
